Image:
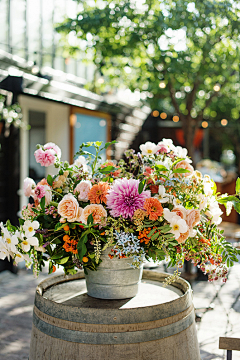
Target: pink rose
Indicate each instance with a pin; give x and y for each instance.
(183, 237)
(162, 149)
(45, 158)
(180, 211)
(193, 217)
(54, 147)
(184, 165)
(69, 209)
(28, 186)
(83, 189)
(98, 212)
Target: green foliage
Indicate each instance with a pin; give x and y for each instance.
(173, 53)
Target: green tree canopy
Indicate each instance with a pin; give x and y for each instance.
(179, 55)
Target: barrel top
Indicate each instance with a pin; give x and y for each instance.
(74, 293)
(66, 297)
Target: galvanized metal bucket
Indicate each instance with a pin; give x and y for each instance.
(114, 278)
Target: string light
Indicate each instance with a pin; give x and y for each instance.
(224, 122)
(175, 118)
(204, 124)
(163, 115)
(162, 85)
(155, 113)
(217, 87)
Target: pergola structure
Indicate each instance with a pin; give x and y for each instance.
(21, 76)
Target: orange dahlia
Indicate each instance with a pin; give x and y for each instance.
(98, 193)
(153, 207)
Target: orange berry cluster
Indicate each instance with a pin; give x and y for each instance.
(143, 235)
(70, 245)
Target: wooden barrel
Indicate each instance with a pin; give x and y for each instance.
(157, 324)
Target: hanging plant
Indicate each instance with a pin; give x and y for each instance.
(10, 115)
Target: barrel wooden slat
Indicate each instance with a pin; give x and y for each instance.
(81, 327)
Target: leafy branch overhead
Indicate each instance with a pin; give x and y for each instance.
(182, 57)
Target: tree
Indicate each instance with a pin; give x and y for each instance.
(180, 56)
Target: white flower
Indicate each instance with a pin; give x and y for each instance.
(176, 202)
(203, 201)
(10, 240)
(178, 225)
(28, 186)
(192, 233)
(168, 143)
(81, 161)
(4, 251)
(29, 227)
(167, 214)
(162, 196)
(214, 212)
(48, 194)
(182, 153)
(18, 257)
(26, 244)
(148, 148)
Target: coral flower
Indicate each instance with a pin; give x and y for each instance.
(184, 165)
(98, 193)
(123, 198)
(116, 173)
(154, 208)
(98, 212)
(193, 217)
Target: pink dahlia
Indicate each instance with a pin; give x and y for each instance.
(45, 158)
(123, 198)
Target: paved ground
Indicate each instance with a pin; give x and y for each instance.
(17, 298)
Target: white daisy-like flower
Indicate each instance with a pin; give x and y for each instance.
(29, 227)
(178, 225)
(162, 196)
(81, 161)
(4, 250)
(26, 243)
(176, 202)
(168, 143)
(10, 240)
(18, 257)
(148, 148)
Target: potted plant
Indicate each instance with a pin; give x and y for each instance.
(107, 217)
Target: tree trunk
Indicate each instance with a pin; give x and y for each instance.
(189, 132)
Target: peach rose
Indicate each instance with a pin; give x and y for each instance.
(183, 237)
(193, 217)
(98, 212)
(69, 209)
(83, 189)
(184, 165)
(180, 211)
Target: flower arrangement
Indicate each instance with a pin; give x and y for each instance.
(150, 205)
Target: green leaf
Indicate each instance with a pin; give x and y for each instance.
(50, 267)
(58, 255)
(141, 186)
(61, 172)
(59, 226)
(161, 168)
(108, 169)
(154, 237)
(109, 143)
(237, 189)
(63, 260)
(151, 233)
(180, 171)
(90, 219)
(82, 249)
(42, 203)
(50, 180)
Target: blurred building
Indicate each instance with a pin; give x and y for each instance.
(50, 89)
